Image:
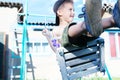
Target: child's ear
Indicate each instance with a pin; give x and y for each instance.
(59, 12)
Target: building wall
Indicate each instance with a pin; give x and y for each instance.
(8, 20)
(112, 52)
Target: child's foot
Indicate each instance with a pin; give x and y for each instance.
(116, 14)
(93, 17)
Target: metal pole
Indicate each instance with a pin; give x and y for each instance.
(24, 40)
(106, 69)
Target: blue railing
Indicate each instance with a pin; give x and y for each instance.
(24, 45)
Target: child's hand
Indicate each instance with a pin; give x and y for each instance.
(46, 32)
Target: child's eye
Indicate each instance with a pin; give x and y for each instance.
(71, 9)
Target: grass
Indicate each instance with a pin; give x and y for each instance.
(93, 78)
(98, 78)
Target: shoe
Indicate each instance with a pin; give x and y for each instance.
(107, 7)
(93, 17)
(116, 14)
(81, 15)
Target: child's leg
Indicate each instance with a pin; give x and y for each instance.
(116, 14)
(93, 17)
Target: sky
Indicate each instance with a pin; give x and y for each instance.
(45, 8)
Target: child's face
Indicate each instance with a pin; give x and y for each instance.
(66, 12)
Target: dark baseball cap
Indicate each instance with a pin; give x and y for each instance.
(57, 4)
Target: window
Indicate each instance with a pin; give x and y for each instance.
(112, 45)
(114, 38)
(36, 48)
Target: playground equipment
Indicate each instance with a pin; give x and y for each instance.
(24, 45)
(24, 35)
(79, 62)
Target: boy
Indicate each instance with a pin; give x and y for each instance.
(70, 34)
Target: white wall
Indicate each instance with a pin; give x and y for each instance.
(8, 18)
(113, 64)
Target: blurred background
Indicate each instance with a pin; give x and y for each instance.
(25, 52)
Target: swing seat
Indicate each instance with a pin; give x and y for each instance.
(83, 61)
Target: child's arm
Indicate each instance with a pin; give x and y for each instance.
(49, 37)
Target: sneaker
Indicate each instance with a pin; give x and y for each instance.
(116, 14)
(93, 17)
(107, 7)
(81, 15)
